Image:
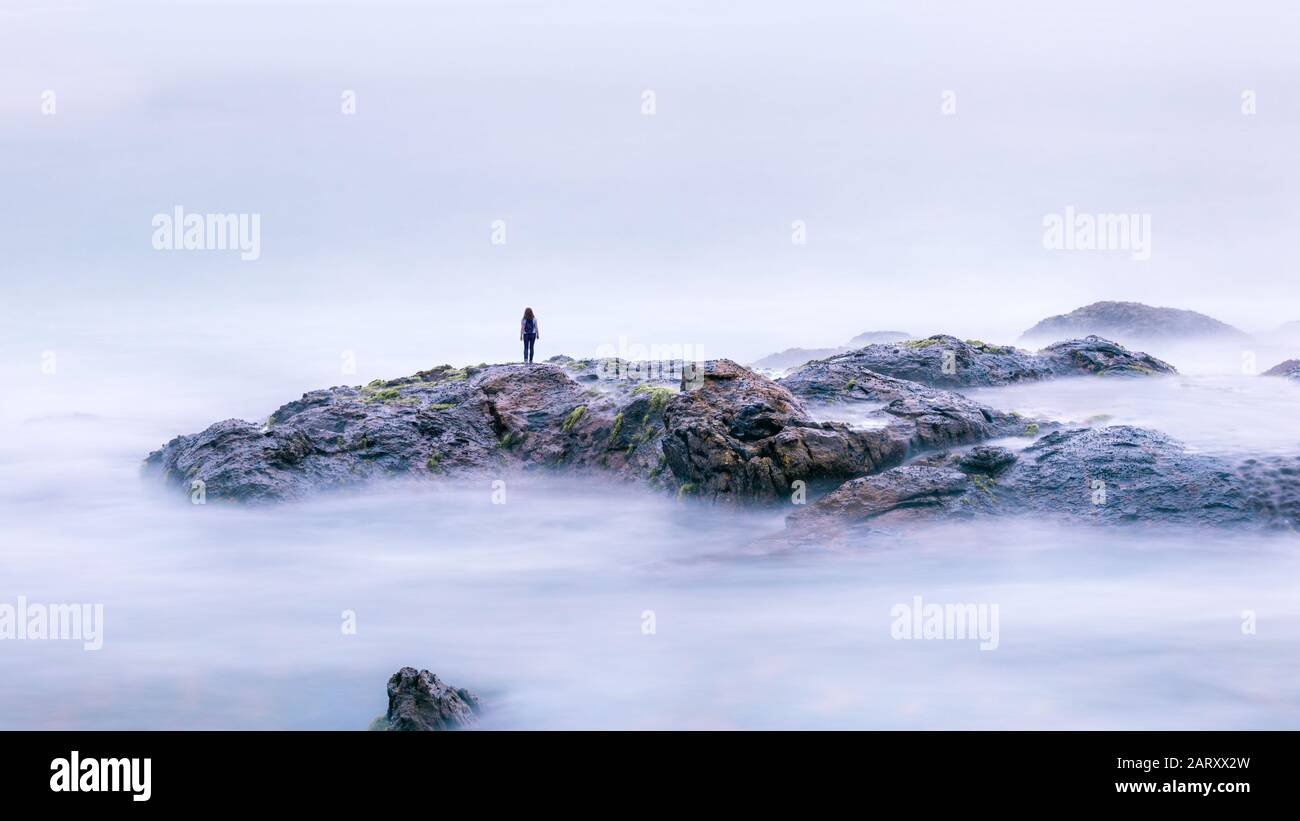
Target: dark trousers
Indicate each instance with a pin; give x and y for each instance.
(529, 339)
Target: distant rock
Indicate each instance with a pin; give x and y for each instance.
(1289, 368)
(947, 362)
(875, 337)
(1127, 321)
(419, 701)
(1110, 475)
(793, 357)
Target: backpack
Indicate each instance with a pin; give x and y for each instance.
(530, 327)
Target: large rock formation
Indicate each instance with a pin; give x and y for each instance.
(731, 434)
(743, 436)
(1117, 474)
(443, 421)
(1131, 321)
(419, 701)
(948, 362)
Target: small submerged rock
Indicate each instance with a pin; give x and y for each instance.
(419, 701)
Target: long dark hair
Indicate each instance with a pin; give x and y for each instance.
(528, 313)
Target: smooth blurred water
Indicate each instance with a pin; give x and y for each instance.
(220, 617)
(1233, 415)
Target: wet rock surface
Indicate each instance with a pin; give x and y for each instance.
(418, 701)
(444, 421)
(721, 432)
(732, 433)
(947, 362)
(1119, 474)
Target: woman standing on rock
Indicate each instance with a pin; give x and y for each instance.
(529, 332)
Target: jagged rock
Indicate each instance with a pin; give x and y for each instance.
(907, 489)
(731, 434)
(947, 362)
(743, 436)
(1113, 475)
(740, 435)
(1289, 368)
(419, 701)
(936, 418)
(444, 421)
(1131, 321)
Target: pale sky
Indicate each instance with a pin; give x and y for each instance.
(667, 228)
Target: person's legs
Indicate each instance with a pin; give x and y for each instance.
(528, 347)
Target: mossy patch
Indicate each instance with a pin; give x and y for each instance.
(659, 396)
(922, 343)
(984, 484)
(573, 418)
(659, 466)
(1030, 430)
(685, 489)
(442, 405)
(614, 431)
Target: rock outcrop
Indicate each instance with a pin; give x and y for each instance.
(418, 701)
(1118, 474)
(443, 421)
(1096, 356)
(731, 434)
(1130, 321)
(948, 362)
(743, 436)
